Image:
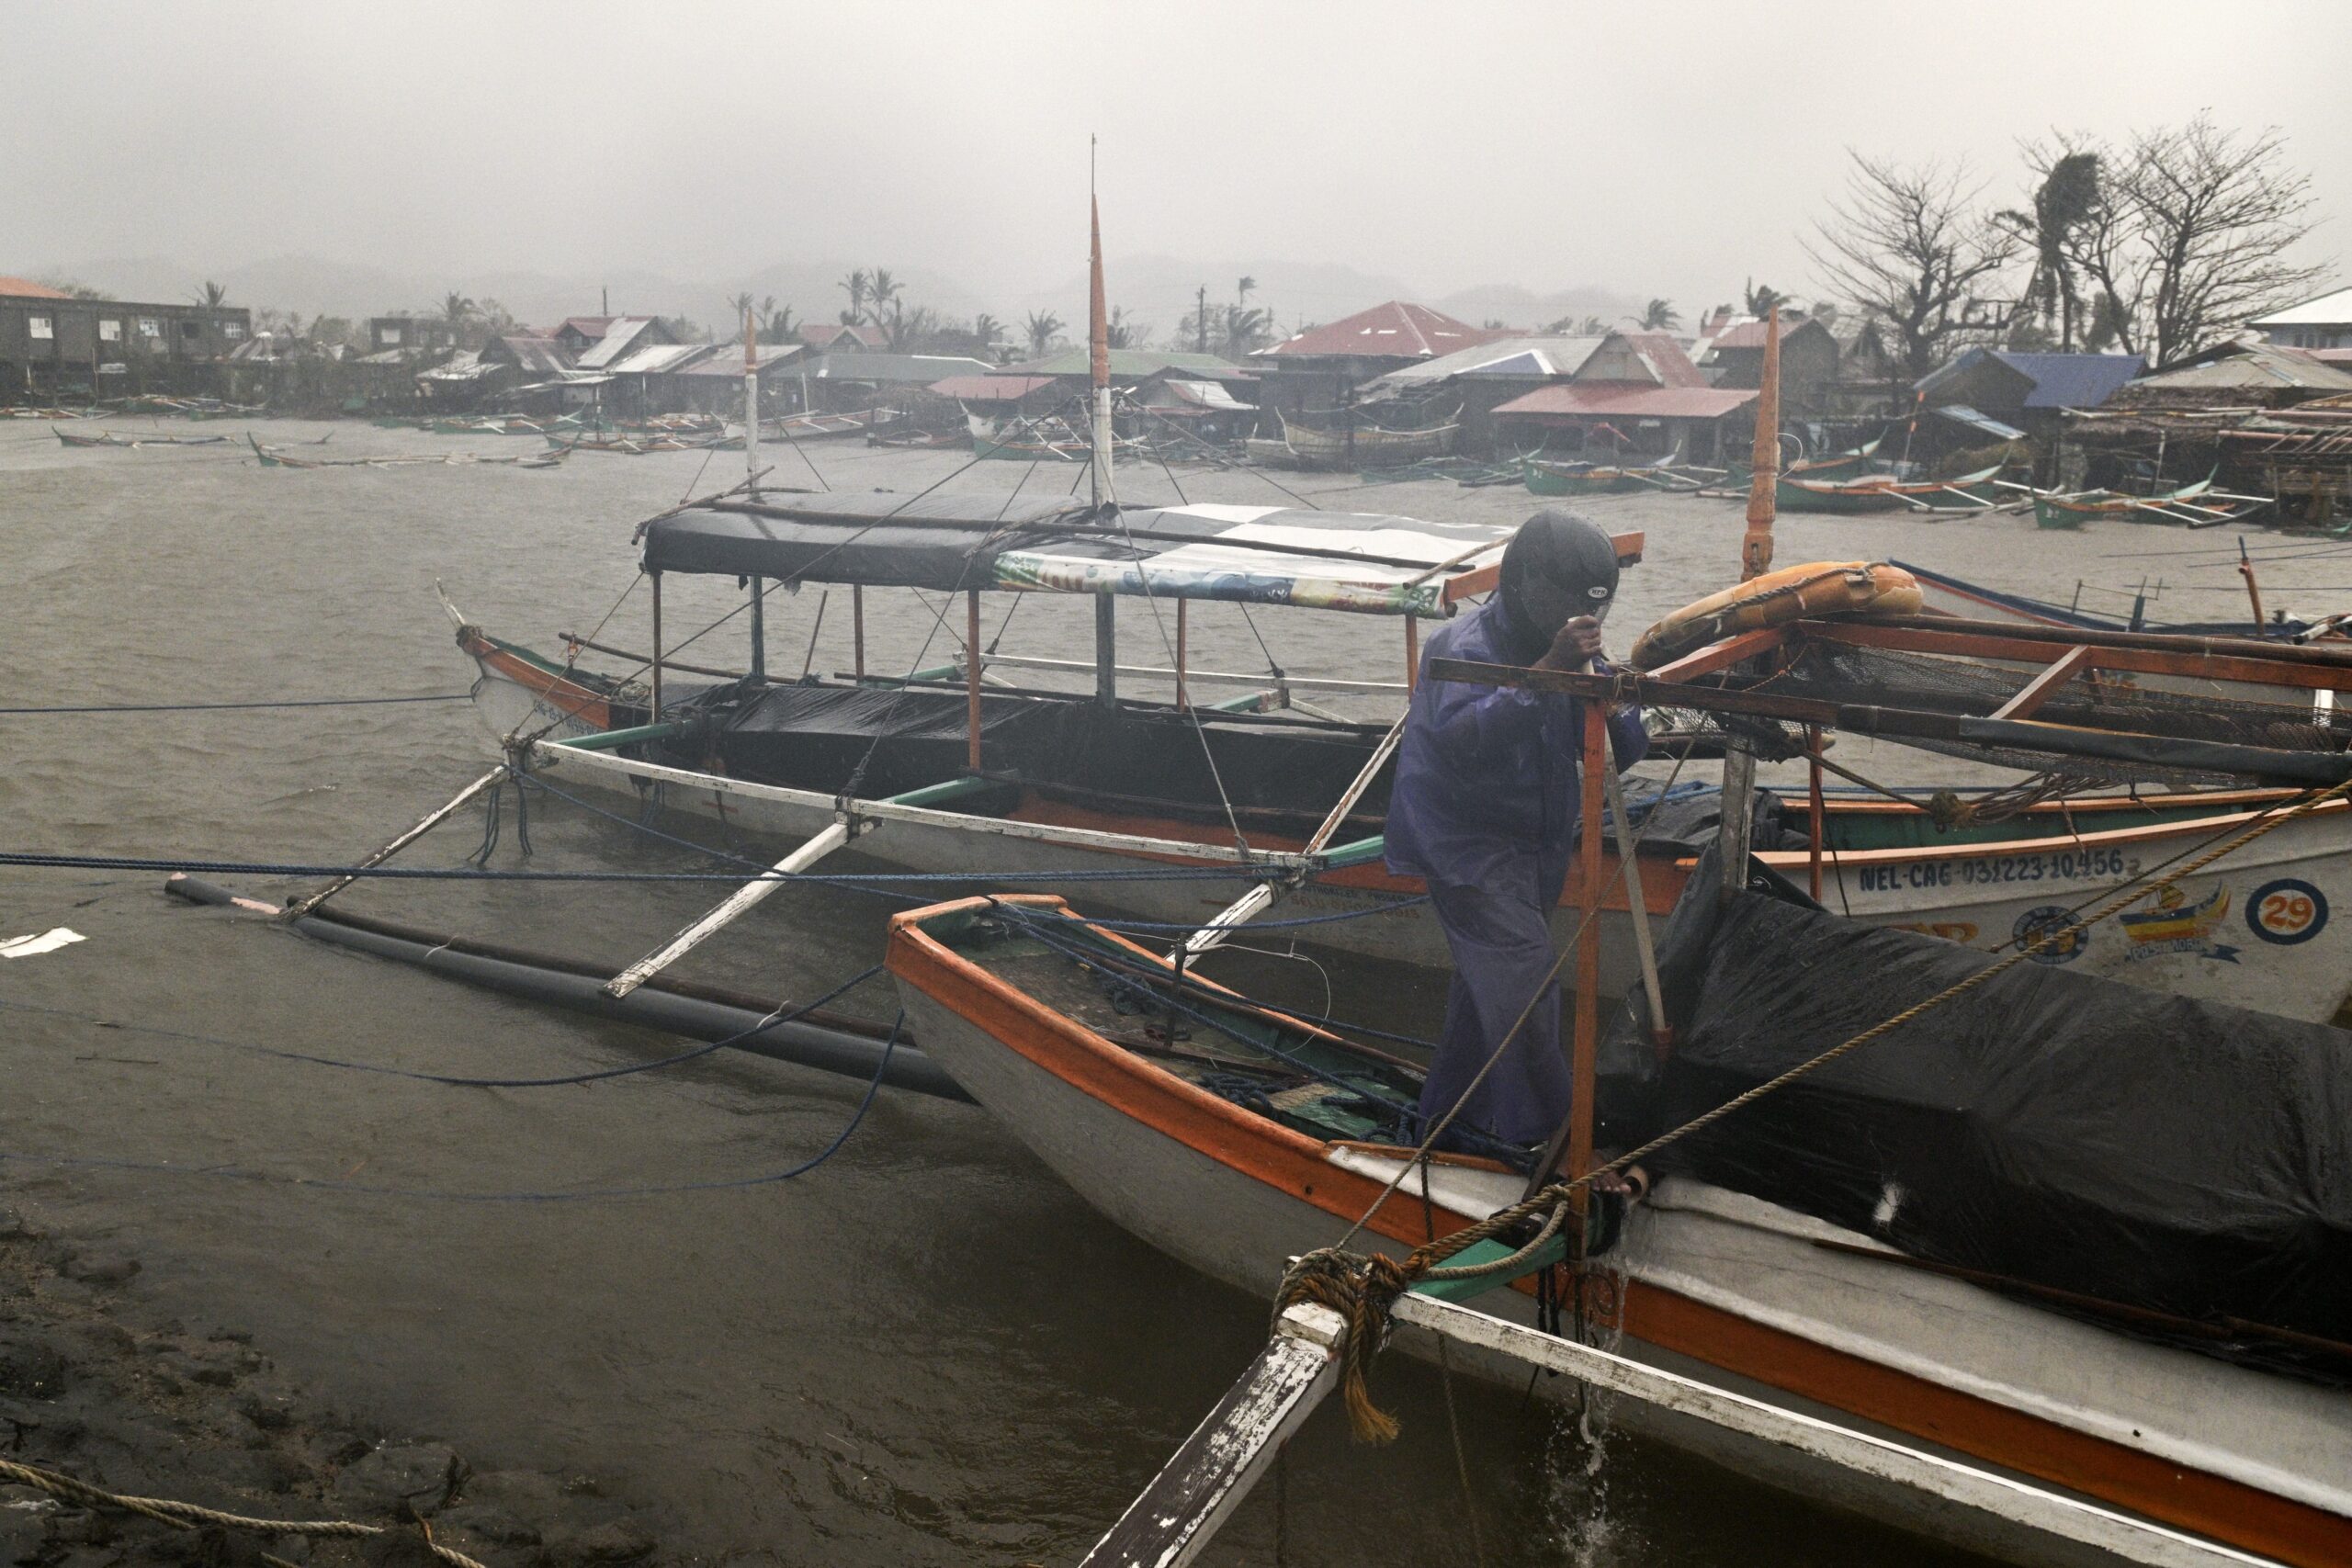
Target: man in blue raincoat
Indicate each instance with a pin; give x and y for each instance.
(1484, 810)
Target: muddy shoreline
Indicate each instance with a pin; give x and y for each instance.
(98, 1384)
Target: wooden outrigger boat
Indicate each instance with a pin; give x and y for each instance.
(121, 439)
(2191, 506)
(1233, 1138)
(1545, 477)
(1367, 445)
(1884, 493)
(1027, 440)
(816, 426)
(279, 457)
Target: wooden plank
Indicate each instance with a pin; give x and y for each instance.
(1719, 655)
(2044, 687)
(1198, 1489)
(734, 906)
(431, 820)
(2019, 1503)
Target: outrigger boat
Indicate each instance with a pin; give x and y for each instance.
(815, 427)
(120, 438)
(1027, 440)
(279, 457)
(1545, 477)
(1883, 492)
(1365, 446)
(1755, 1316)
(2187, 507)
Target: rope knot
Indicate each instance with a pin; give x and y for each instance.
(1361, 1289)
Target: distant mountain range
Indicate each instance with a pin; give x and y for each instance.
(1158, 290)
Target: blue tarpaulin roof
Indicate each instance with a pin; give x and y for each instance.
(2056, 381)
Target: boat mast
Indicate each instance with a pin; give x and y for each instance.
(1755, 547)
(751, 482)
(1098, 339)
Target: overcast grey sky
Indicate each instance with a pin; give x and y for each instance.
(1644, 148)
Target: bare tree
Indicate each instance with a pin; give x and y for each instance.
(1909, 247)
(2190, 235)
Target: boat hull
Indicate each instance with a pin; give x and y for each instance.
(1713, 1285)
(2279, 946)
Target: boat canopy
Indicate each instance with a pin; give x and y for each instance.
(1363, 563)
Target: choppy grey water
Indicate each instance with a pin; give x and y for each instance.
(927, 1351)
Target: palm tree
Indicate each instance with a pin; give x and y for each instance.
(738, 307)
(857, 285)
(1245, 331)
(1243, 290)
(213, 295)
(1042, 327)
(1123, 330)
(2068, 197)
(1592, 326)
(1762, 298)
(456, 310)
(1660, 315)
(882, 290)
(775, 321)
(987, 329)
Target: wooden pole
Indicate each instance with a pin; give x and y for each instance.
(656, 646)
(1812, 789)
(1756, 544)
(1183, 701)
(972, 666)
(1584, 1063)
(857, 629)
(759, 629)
(1412, 654)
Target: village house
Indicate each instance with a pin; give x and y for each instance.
(848, 382)
(52, 344)
(1637, 394)
(1989, 397)
(713, 382)
(1317, 371)
(1734, 357)
(416, 336)
(2322, 324)
(1466, 386)
(841, 337)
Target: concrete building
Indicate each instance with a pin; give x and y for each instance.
(53, 344)
(414, 335)
(2322, 324)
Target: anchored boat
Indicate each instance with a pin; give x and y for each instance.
(1884, 493)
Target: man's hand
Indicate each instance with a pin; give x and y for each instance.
(1576, 645)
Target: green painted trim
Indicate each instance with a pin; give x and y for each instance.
(610, 740)
(1254, 702)
(1355, 854)
(1552, 1251)
(941, 793)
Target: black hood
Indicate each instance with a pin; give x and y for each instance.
(1558, 566)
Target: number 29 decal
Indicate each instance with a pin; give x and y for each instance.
(2287, 911)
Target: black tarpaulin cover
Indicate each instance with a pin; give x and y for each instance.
(2142, 1148)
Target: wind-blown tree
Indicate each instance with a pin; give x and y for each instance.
(212, 296)
(908, 329)
(1123, 330)
(987, 331)
(456, 310)
(2067, 200)
(1762, 298)
(1908, 245)
(2192, 236)
(882, 292)
(1041, 328)
(1246, 330)
(776, 323)
(857, 285)
(1660, 315)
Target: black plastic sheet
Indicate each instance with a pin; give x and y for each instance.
(2164, 1153)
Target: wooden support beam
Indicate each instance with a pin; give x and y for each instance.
(1585, 1052)
(1197, 1491)
(735, 904)
(2007, 1507)
(2044, 687)
(431, 820)
(972, 668)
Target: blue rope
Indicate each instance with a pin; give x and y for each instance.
(588, 1195)
(704, 1050)
(221, 707)
(470, 874)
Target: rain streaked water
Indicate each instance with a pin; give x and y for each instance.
(926, 1351)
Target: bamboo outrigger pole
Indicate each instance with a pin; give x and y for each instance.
(1097, 342)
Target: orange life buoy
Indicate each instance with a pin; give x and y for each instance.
(1817, 588)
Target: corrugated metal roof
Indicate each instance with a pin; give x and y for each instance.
(1398, 329)
(1205, 395)
(822, 334)
(1133, 364)
(623, 331)
(922, 368)
(990, 388)
(1619, 399)
(655, 358)
(1537, 357)
(2057, 381)
(2260, 367)
(728, 359)
(2327, 311)
(467, 365)
(1664, 354)
(1961, 413)
(26, 288)
(537, 356)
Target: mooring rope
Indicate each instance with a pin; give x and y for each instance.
(476, 874)
(227, 707)
(1363, 1288)
(189, 1515)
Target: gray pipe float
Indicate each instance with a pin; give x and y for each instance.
(850, 1049)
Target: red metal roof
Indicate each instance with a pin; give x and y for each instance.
(26, 288)
(992, 389)
(823, 334)
(1665, 355)
(1623, 399)
(1398, 329)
